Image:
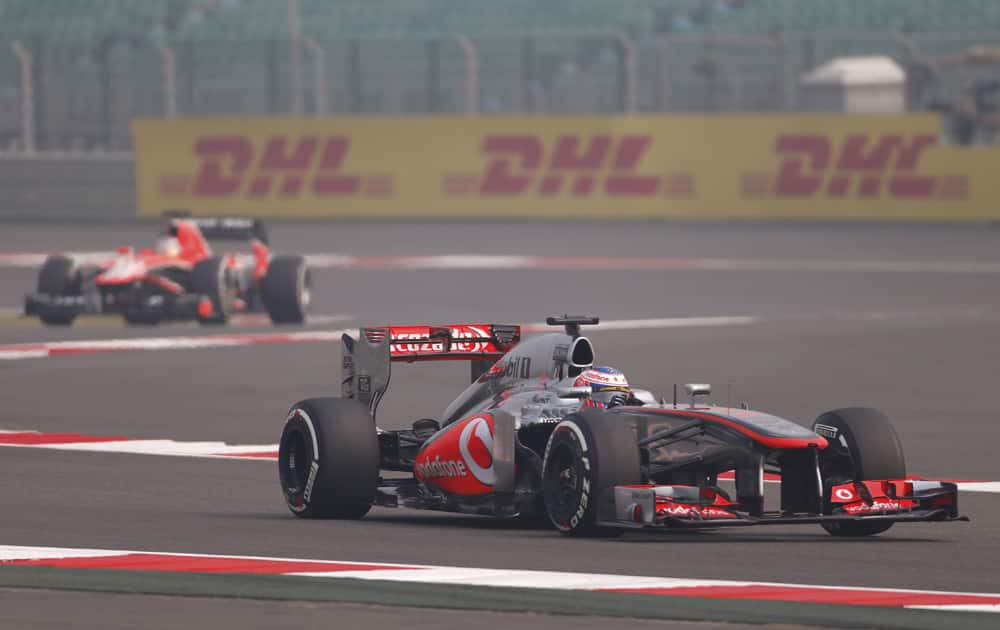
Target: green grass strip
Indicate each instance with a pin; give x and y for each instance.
(462, 597)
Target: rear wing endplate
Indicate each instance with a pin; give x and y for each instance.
(367, 360)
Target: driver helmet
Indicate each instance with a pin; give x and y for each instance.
(608, 385)
(168, 246)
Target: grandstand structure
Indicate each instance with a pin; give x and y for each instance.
(74, 72)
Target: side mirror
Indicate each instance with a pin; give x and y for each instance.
(694, 390)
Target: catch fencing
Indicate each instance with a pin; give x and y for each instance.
(64, 96)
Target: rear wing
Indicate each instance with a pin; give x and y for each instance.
(367, 360)
(447, 342)
(226, 228)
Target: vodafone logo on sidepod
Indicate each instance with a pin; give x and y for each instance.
(475, 443)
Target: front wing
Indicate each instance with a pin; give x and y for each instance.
(691, 507)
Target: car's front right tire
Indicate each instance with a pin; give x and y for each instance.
(286, 289)
(328, 459)
(864, 445)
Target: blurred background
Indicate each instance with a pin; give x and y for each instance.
(73, 73)
(93, 65)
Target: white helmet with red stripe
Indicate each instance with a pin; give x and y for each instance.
(607, 384)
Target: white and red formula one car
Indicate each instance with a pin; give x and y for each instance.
(541, 431)
(181, 278)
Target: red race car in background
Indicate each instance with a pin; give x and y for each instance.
(181, 278)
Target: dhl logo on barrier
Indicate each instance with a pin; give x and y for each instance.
(578, 165)
(233, 166)
(861, 166)
(820, 166)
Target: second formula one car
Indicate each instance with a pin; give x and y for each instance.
(182, 278)
(543, 432)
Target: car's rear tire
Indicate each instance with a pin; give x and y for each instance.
(328, 459)
(587, 454)
(58, 277)
(210, 279)
(286, 289)
(141, 317)
(866, 446)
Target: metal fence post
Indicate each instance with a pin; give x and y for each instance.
(629, 82)
(787, 82)
(916, 82)
(295, 58)
(433, 76)
(528, 74)
(319, 76)
(663, 72)
(27, 98)
(471, 74)
(354, 60)
(169, 80)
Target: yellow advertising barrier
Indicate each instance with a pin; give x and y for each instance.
(699, 167)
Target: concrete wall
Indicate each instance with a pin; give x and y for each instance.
(67, 188)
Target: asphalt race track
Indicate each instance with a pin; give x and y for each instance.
(916, 335)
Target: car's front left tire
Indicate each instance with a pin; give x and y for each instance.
(586, 456)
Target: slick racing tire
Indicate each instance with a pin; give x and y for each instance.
(210, 278)
(587, 455)
(864, 446)
(328, 459)
(93, 302)
(286, 289)
(58, 277)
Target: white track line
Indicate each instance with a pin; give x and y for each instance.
(197, 342)
(222, 450)
(125, 445)
(992, 608)
(472, 262)
(663, 322)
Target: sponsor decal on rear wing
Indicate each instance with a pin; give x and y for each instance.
(446, 341)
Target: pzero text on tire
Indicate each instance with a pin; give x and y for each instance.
(863, 445)
(328, 459)
(586, 456)
(286, 289)
(58, 277)
(210, 278)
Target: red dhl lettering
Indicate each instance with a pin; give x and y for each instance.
(282, 166)
(580, 166)
(861, 166)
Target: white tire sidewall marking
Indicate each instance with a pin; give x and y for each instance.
(575, 428)
(298, 411)
(314, 465)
